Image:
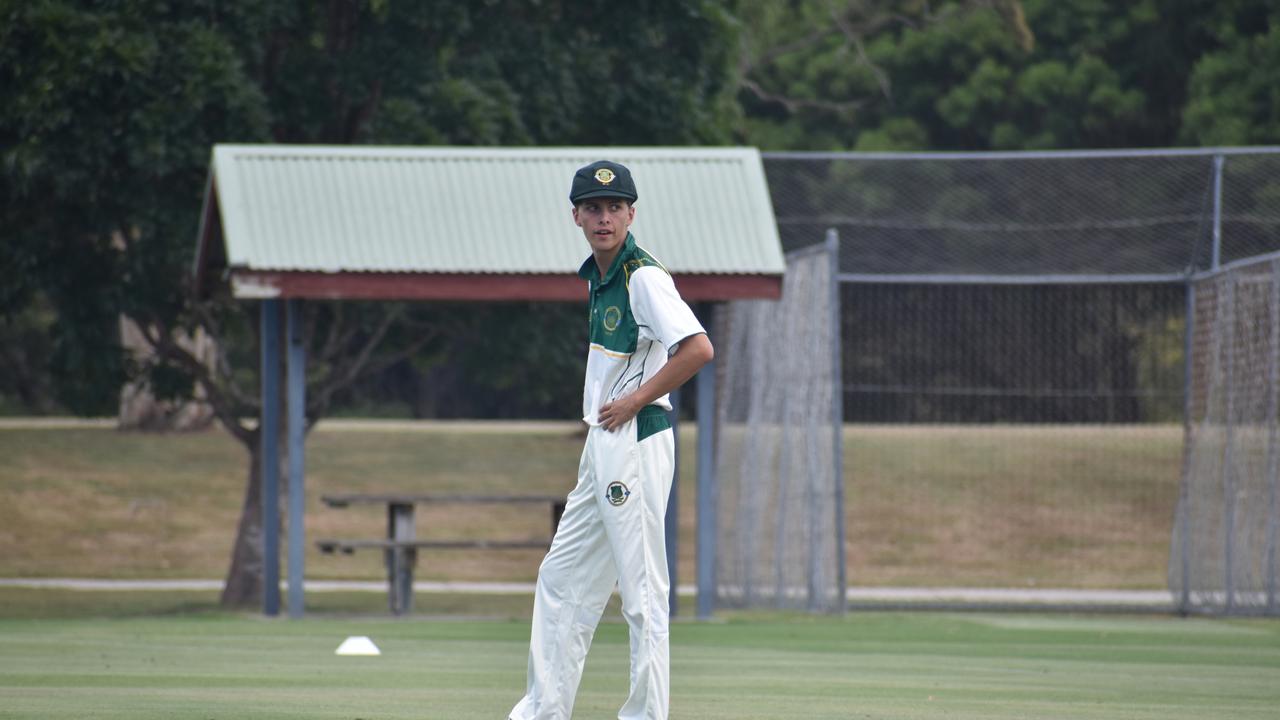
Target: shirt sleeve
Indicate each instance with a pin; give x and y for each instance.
(659, 310)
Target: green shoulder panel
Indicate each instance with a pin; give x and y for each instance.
(640, 259)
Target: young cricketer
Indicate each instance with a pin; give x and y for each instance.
(644, 343)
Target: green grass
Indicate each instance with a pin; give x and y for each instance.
(61, 604)
(1083, 507)
(1086, 507)
(213, 666)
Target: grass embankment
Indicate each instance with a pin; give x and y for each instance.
(1001, 506)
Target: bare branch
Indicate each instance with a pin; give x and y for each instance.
(853, 37)
(385, 361)
(363, 363)
(772, 54)
(342, 374)
(333, 342)
(223, 369)
(794, 104)
(855, 22)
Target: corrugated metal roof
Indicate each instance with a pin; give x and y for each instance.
(483, 210)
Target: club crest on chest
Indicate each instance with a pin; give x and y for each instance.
(612, 316)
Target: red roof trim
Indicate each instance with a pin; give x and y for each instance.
(474, 287)
(697, 288)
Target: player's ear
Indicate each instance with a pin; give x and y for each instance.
(576, 220)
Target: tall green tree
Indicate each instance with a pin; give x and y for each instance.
(1022, 74)
(822, 74)
(108, 111)
(1233, 95)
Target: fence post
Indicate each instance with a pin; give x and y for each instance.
(1218, 161)
(1184, 499)
(1273, 387)
(837, 413)
(1228, 476)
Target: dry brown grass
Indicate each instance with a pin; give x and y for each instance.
(946, 505)
(1014, 506)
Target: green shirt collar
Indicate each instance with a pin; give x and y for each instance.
(589, 272)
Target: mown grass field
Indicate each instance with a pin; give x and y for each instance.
(1085, 507)
(211, 666)
(97, 503)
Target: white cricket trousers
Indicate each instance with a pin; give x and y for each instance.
(612, 532)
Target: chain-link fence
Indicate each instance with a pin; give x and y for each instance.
(1032, 217)
(780, 500)
(1013, 331)
(1224, 555)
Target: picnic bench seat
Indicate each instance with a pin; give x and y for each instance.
(349, 547)
(401, 544)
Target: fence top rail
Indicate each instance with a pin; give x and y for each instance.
(1236, 265)
(1024, 154)
(808, 250)
(990, 279)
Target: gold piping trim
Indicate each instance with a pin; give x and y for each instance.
(611, 353)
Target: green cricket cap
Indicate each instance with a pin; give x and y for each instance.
(602, 179)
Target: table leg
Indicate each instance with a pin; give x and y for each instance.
(400, 561)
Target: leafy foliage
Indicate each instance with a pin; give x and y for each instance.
(1234, 93)
(1029, 74)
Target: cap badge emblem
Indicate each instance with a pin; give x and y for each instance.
(604, 176)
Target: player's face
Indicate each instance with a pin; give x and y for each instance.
(604, 221)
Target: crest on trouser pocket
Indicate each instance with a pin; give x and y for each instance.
(617, 493)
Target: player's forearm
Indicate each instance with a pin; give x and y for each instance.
(693, 352)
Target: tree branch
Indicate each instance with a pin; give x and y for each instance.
(794, 104)
(223, 368)
(225, 408)
(855, 38)
(343, 374)
(854, 23)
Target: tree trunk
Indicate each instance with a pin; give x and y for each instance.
(243, 586)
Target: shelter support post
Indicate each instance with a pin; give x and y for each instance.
(297, 402)
(269, 454)
(672, 520)
(706, 483)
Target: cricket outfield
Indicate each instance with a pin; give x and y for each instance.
(870, 665)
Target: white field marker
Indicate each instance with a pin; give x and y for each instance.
(357, 645)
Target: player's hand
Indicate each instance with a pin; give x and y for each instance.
(614, 415)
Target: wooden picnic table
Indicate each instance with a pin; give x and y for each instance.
(401, 544)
